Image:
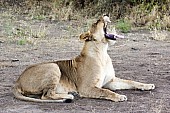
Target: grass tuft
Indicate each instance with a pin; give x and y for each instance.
(123, 25)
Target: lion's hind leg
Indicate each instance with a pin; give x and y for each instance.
(50, 94)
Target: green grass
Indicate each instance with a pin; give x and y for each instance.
(123, 25)
(21, 31)
(19, 22)
(22, 41)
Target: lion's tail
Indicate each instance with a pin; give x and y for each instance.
(18, 95)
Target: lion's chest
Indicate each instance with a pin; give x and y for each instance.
(108, 72)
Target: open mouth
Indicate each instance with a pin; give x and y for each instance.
(111, 36)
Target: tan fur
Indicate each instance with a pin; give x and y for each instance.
(91, 74)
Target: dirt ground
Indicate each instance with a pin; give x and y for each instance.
(138, 57)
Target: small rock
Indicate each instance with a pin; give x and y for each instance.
(14, 60)
(134, 48)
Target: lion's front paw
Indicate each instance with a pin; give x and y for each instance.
(148, 87)
(120, 98)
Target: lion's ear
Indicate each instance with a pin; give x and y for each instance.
(85, 36)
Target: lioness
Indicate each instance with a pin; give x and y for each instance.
(91, 74)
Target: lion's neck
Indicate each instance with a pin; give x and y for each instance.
(95, 49)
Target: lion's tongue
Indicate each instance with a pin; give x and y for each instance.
(113, 36)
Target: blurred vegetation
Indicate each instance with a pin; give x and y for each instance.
(137, 13)
(123, 25)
